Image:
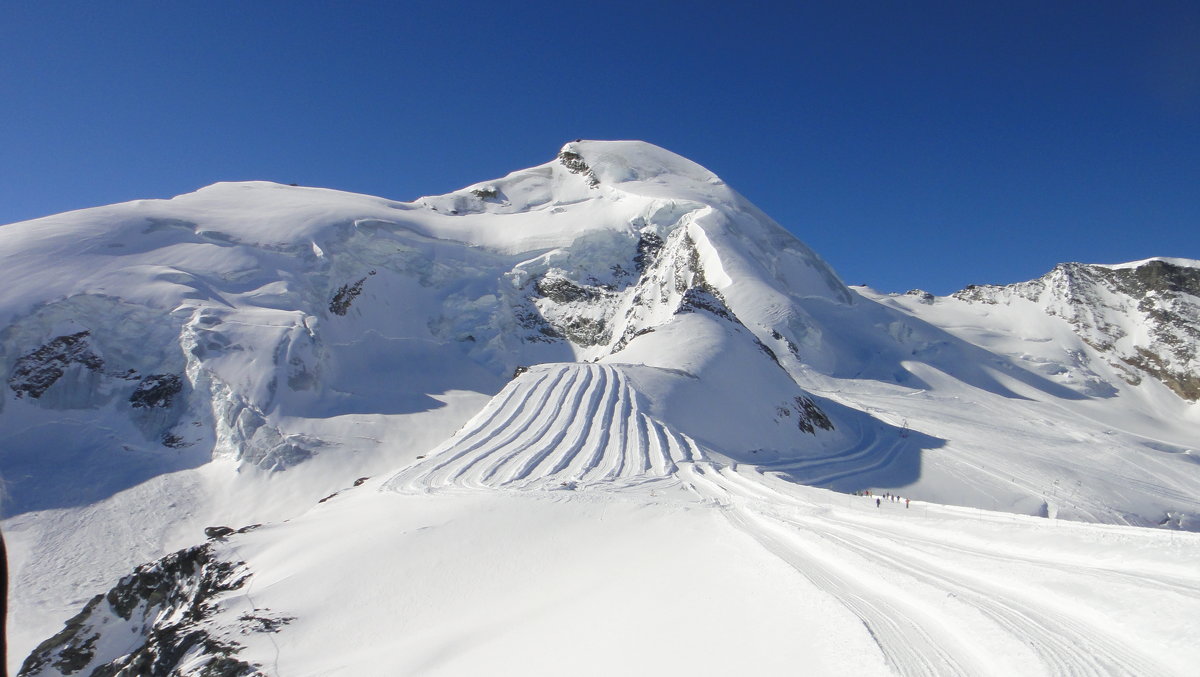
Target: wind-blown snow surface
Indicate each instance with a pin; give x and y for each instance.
(628, 501)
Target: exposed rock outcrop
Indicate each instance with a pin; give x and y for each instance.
(156, 391)
(34, 372)
(575, 164)
(345, 295)
(155, 622)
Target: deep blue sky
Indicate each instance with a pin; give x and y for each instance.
(920, 144)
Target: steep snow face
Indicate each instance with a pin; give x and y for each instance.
(1143, 317)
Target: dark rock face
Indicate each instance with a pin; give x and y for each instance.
(648, 247)
(34, 373)
(539, 330)
(705, 298)
(156, 391)
(345, 295)
(149, 622)
(575, 164)
(809, 416)
(629, 336)
(1169, 296)
(562, 290)
(586, 331)
(76, 644)
(581, 310)
(1158, 276)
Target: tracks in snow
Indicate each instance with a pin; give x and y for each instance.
(926, 597)
(928, 601)
(583, 423)
(873, 451)
(556, 425)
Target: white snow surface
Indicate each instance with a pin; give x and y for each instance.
(665, 488)
(718, 570)
(1182, 263)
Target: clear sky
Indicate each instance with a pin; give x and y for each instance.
(911, 144)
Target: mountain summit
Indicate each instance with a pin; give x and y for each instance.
(614, 334)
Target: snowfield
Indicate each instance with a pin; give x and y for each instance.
(719, 570)
(601, 416)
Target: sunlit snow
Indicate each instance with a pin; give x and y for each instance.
(601, 416)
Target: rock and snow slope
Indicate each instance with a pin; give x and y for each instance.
(232, 355)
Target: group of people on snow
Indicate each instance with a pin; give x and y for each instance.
(879, 499)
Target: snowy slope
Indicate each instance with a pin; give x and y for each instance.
(234, 353)
(1064, 416)
(717, 570)
(609, 328)
(1142, 316)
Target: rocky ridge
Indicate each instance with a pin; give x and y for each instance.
(1144, 317)
(157, 621)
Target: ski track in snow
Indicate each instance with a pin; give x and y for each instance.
(898, 586)
(571, 425)
(558, 425)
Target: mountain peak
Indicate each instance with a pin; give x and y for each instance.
(619, 162)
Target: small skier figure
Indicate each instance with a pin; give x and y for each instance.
(876, 501)
(906, 504)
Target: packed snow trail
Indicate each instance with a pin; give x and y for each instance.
(874, 450)
(557, 425)
(926, 593)
(927, 600)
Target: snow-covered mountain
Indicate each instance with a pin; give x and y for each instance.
(1143, 316)
(461, 420)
